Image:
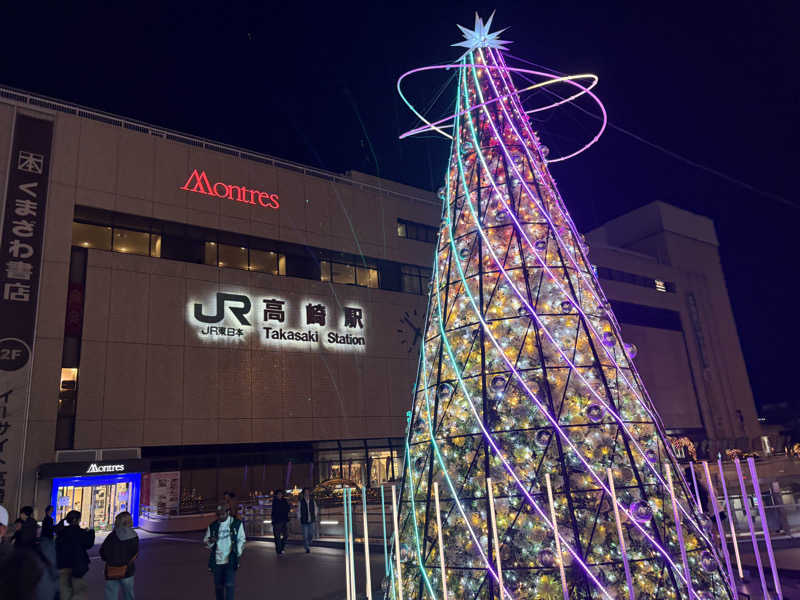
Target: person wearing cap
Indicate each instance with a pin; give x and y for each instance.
(5, 545)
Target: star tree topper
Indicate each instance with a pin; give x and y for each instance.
(480, 36)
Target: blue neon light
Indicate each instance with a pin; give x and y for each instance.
(135, 479)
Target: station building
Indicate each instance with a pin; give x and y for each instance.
(180, 317)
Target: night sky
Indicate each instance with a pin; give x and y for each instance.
(713, 82)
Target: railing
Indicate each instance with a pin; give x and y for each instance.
(26, 98)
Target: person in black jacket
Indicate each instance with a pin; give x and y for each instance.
(280, 520)
(25, 536)
(119, 550)
(72, 543)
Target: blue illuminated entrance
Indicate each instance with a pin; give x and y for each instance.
(99, 498)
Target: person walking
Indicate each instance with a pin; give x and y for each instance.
(72, 558)
(280, 520)
(119, 551)
(47, 542)
(25, 536)
(307, 515)
(225, 539)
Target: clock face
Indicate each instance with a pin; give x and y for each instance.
(410, 330)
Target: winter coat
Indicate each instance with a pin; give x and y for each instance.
(72, 544)
(120, 548)
(280, 511)
(26, 536)
(47, 527)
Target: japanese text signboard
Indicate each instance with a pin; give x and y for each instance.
(20, 268)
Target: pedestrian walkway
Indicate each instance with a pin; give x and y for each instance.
(175, 566)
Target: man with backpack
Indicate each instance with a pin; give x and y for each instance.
(225, 539)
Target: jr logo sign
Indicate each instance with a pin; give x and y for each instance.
(240, 308)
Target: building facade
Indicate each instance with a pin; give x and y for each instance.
(203, 318)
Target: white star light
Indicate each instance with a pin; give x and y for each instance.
(480, 36)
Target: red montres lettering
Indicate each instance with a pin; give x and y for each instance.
(198, 183)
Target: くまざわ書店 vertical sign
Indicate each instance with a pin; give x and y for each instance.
(21, 244)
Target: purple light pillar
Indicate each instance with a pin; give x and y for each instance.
(746, 502)
(760, 500)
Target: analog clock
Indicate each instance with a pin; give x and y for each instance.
(410, 330)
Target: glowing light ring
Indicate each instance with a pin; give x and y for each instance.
(570, 79)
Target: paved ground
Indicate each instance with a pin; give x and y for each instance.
(175, 566)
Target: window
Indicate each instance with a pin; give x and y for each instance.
(349, 273)
(416, 279)
(131, 242)
(91, 236)
(416, 231)
(211, 254)
(633, 279)
(267, 262)
(232, 257)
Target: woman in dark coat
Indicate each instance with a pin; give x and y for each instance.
(119, 551)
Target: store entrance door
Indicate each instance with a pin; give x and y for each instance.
(98, 499)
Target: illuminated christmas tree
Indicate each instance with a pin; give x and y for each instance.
(523, 373)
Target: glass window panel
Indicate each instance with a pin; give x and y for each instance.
(411, 284)
(325, 270)
(232, 257)
(266, 262)
(155, 245)
(131, 242)
(401, 229)
(211, 253)
(91, 236)
(281, 264)
(371, 278)
(343, 273)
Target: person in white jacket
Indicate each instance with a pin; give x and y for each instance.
(225, 539)
(307, 515)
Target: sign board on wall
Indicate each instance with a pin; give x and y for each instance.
(199, 183)
(165, 492)
(21, 244)
(310, 324)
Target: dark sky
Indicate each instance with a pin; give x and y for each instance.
(713, 81)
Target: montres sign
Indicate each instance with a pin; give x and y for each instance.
(199, 183)
(95, 468)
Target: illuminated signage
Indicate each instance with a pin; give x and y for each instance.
(199, 183)
(230, 317)
(94, 468)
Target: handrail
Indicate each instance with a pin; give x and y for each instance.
(27, 98)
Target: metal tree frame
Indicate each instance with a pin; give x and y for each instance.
(523, 372)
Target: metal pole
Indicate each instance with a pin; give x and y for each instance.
(366, 542)
(399, 584)
(555, 534)
(679, 529)
(760, 499)
(385, 548)
(730, 519)
(696, 489)
(720, 530)
(441, 544)
(346, 552)
(623, 551)
(746, 502)
(351, 529)
(493, 522)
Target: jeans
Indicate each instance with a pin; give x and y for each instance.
(72, 588)
(281, 533)
(224, 581)
(114, 586)
(308, 534)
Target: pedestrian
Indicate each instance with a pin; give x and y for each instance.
(307, 514)
(229, 499)
(25, 536)
(119, 552)
(280, 520)
(5, 545)
(25, 574)
(225, 539)
(47, 543)
(72, 558)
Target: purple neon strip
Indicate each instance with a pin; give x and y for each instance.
(679, 529)
(746, 503)
(760, 499)
(594, 287)
(576, 304)
(721, 531)
(696, 489)
(521, 381)
(730, 515)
